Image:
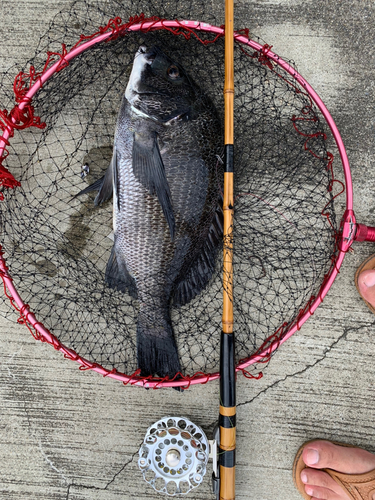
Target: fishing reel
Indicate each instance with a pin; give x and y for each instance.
(174, 455)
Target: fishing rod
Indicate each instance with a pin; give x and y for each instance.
(227, 416)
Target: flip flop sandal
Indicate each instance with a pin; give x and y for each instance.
(356, 486)
(365, 266)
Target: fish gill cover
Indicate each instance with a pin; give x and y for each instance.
(59, 246)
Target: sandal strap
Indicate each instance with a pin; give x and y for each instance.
(358, 486)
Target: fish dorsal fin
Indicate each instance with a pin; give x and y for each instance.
(148, 169)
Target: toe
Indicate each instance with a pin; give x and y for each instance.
(319, 484)
(318, 493)
(327, 455)
(366, 285)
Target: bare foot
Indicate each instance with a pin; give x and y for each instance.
(366, 285)
(326, 455)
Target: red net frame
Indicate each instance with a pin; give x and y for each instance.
(22, 116)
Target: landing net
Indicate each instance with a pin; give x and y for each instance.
(55, 248)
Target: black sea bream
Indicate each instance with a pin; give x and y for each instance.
(167, 217)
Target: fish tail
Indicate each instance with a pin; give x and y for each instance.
(157, 349)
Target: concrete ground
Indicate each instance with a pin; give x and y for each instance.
(72, 435)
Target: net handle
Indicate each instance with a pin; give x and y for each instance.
(348, 219)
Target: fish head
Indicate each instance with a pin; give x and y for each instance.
(159, 87)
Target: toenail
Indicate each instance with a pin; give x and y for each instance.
(304, 477)
(369, 280)
(312, 457)
(309, 490)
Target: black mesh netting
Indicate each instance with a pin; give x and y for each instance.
(57, 247)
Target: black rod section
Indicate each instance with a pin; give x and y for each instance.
(227, 371)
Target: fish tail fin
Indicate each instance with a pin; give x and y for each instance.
(157, 349)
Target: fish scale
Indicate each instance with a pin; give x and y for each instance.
(142, 234)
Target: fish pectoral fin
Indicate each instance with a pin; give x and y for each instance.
(104, 185)
(95, 186)
(106, 189)
(148, 169)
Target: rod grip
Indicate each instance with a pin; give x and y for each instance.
(227, 482)
(227, 418)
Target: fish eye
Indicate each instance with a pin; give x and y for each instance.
(173, 71)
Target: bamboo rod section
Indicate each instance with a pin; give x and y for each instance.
(227, 417)
(229, 72)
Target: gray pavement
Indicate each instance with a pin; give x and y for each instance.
(72, 435)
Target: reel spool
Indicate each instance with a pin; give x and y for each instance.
(174, 455)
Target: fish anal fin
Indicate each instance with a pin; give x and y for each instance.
(117, 276)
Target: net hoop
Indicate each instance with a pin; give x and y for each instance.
(37, 329)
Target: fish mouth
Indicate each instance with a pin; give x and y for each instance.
(140, 61)
(136, 88)
(150, 92)
(148, 54)
(149, 64)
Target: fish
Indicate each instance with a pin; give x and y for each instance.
(165, 178)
